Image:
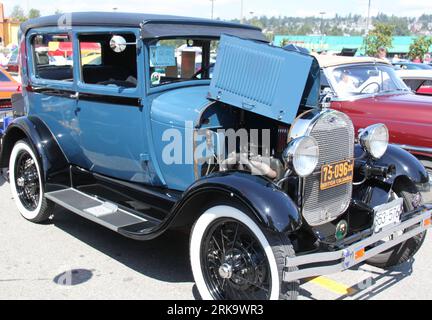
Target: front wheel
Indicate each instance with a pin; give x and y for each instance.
(232, 258)
(26, 183)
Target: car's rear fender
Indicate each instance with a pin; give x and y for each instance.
(53, 162)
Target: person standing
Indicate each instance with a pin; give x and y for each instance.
(382, 53)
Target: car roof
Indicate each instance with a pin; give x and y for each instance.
(152, 25)
(326, 61)
(419, 74)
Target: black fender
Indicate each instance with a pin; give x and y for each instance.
(269, 206)
(406, 166)
(54, 164)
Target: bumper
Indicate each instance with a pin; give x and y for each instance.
(336, 261)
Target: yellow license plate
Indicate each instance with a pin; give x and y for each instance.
(336, 174)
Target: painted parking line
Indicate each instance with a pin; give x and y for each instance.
(333, 286)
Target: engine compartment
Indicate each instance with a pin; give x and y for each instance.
(258, 146)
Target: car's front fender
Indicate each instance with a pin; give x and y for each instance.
(269, 206)
(405, 165)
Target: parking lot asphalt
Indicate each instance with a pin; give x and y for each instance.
(72, 258)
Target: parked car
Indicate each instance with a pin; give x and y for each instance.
(8, 86)
(272, 188)
(419, 81)
(12, 65)
(408, 65)
(369, 91)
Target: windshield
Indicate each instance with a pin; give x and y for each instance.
(365, 79)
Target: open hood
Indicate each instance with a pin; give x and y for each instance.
(264, 79)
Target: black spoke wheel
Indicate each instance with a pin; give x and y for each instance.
(27, 181)
(234, 263)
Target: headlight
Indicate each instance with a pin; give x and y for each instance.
(374, 139)
(302, 155)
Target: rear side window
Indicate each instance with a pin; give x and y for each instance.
(53, 57)
(3, 77)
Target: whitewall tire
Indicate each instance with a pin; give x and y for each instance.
(25, 180)
(200, 239)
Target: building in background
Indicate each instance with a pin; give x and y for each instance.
(8, 29)
(336, 44)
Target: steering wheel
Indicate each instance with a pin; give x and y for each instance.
(202, 70)
(367, 86)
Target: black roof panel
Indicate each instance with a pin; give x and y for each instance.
(138, 20)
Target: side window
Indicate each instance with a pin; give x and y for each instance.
(53, 57)
(102, 65)
(176, 60)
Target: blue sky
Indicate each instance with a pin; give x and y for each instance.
(228, 9)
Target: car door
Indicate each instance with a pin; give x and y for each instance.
(109, 106)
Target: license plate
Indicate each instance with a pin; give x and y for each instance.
(336, 174)
(387, 214)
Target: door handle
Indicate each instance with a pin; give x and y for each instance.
(74, 96)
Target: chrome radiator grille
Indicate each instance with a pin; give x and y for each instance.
(334, 133)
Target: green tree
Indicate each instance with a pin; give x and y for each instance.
(305, 29)
(18, 13)
(284, 42)
(419, 47)
(380, 36)
(34, 13)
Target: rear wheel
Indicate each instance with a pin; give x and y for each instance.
(26, 183)
(406, 250)
(233, 259)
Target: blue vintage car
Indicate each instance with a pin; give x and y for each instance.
(144, 123)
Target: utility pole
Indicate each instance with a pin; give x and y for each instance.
(212, 8)
(368, 18)
(241, 12)
(322, 13)
(367, 26)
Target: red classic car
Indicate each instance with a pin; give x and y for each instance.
(370, 91)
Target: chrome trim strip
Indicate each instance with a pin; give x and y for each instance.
(413, 148)
(345, 259)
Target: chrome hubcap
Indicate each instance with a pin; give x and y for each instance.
(20, 182)
(225, 271)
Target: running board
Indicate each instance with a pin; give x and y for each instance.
(104, 213)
